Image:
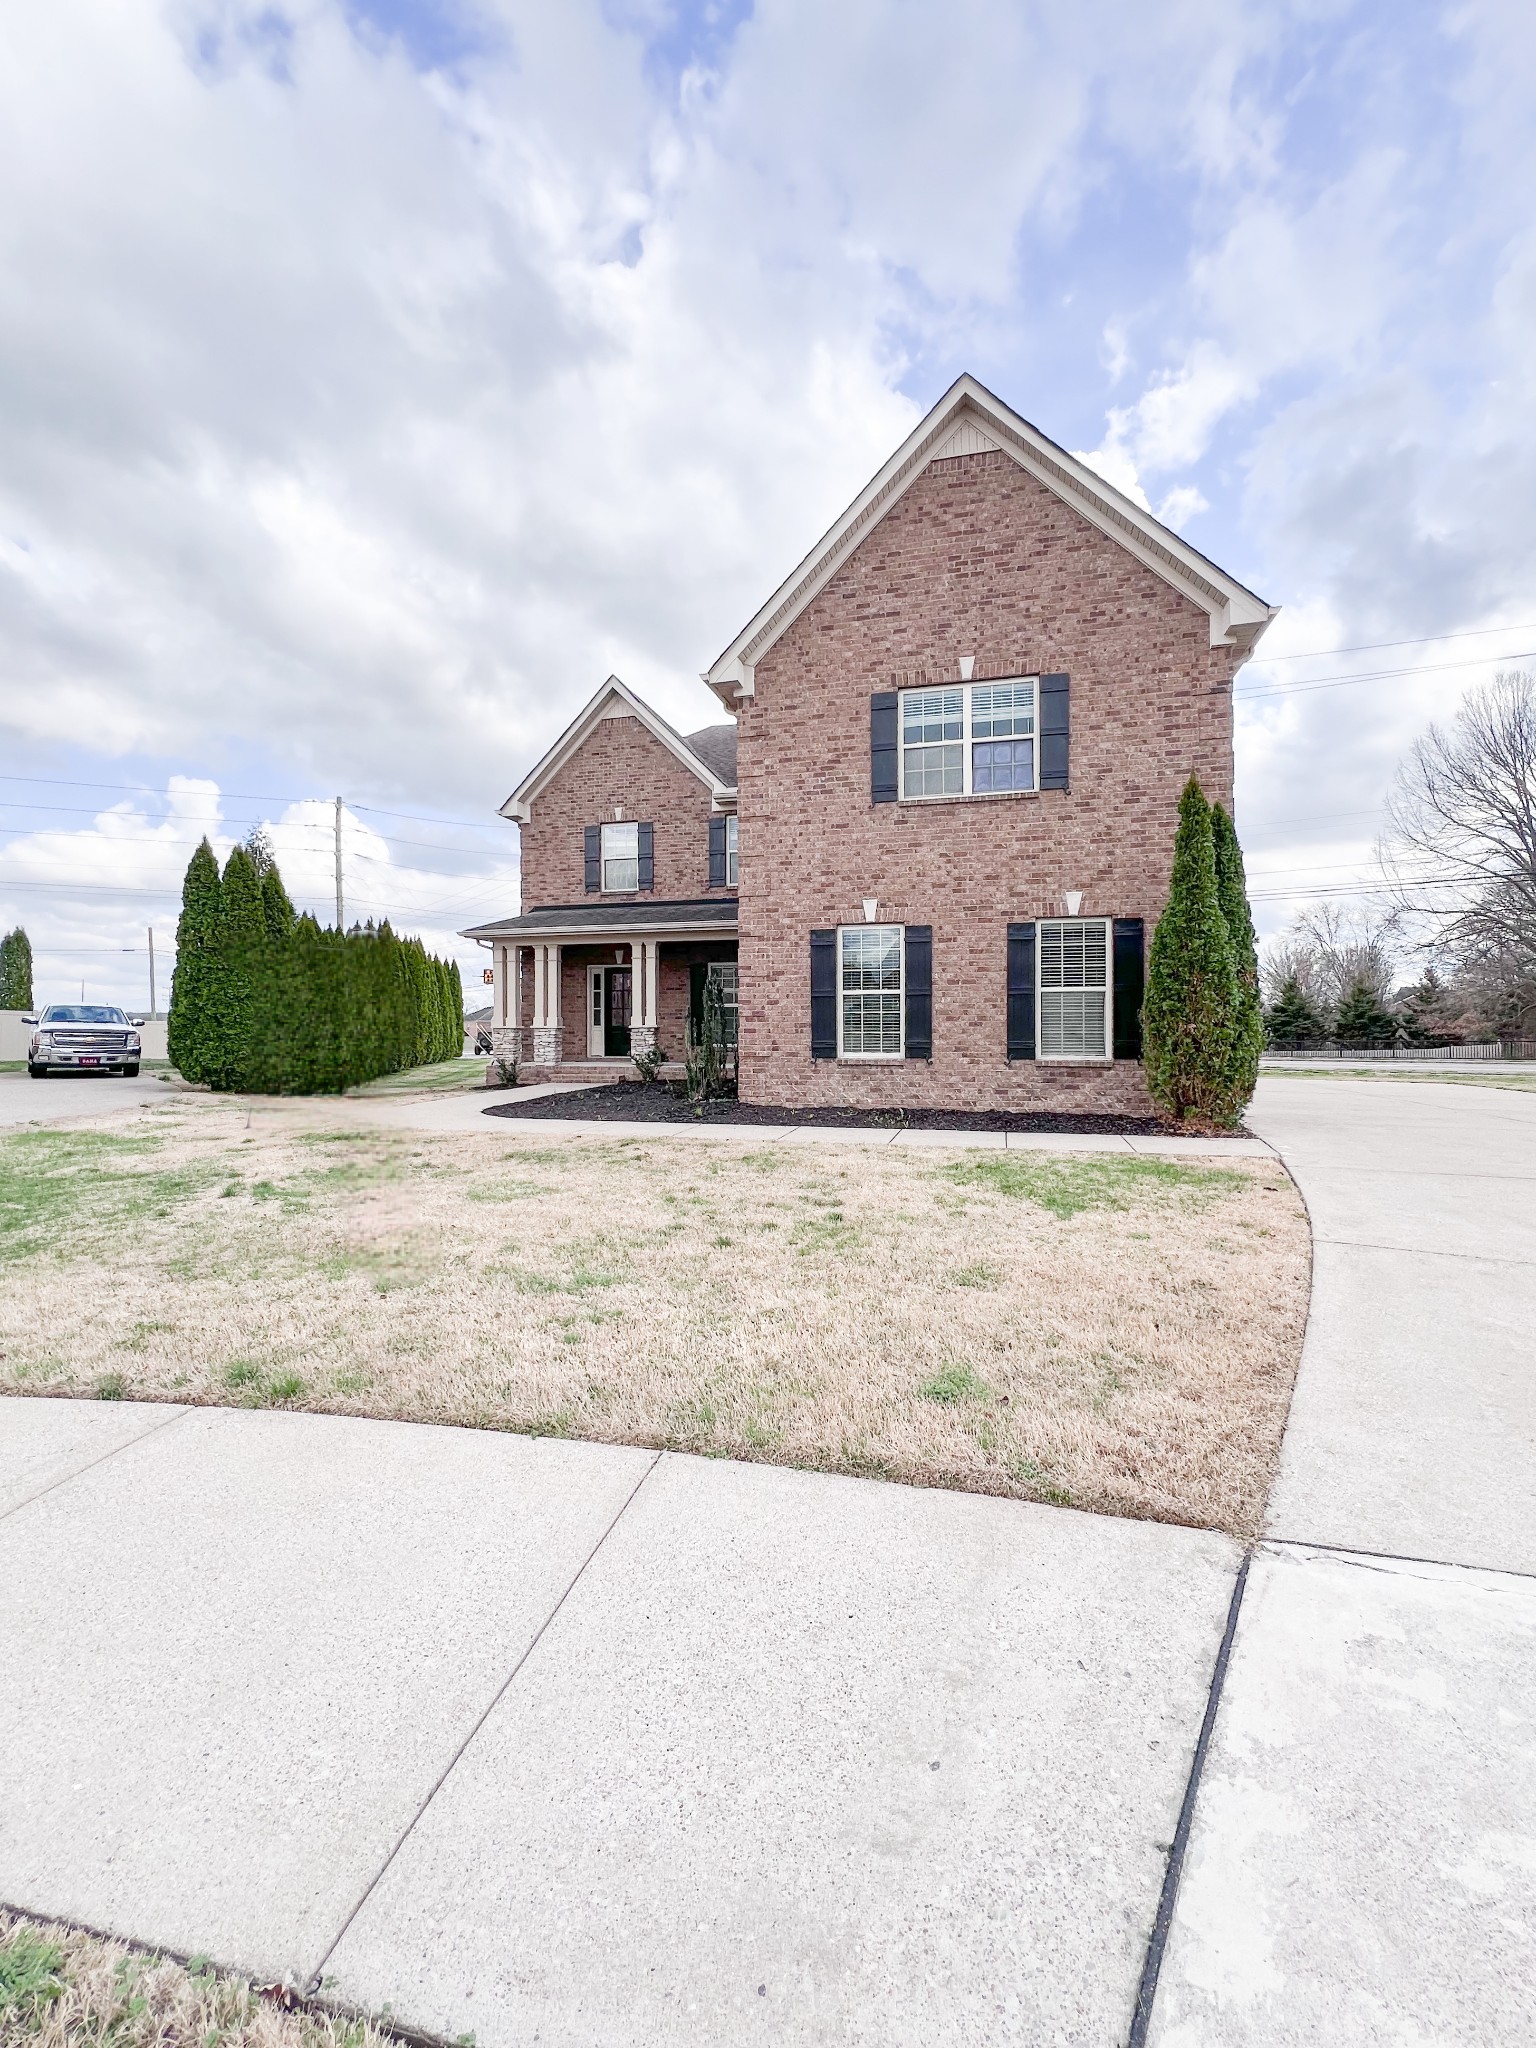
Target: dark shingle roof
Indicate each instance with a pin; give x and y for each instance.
(631, 914)
(716, 748)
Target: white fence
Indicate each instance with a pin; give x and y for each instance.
(1492, 1049)
(14, 1035)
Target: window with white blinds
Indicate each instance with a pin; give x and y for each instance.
(1074, 988)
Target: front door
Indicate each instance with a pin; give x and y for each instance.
(617, 984)
(609, 994)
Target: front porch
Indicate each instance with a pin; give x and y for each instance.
(581, 991)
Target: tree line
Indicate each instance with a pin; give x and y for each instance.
(1458, 860)
(270, 1002)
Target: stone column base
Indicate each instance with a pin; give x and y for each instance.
(642, 1038)
(546, 1045)
(507, 1042)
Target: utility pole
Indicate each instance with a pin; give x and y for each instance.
(152, 1010)
(339, 925)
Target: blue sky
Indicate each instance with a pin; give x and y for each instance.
(377, 376)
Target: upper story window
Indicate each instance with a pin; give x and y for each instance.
(621, 858)
(968, 739)
(732, 863)
(870, 991)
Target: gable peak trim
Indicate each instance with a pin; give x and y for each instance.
(614, 700)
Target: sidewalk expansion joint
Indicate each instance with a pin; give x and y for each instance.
(315, 1979)
(65, 1478)
(1146, 1995)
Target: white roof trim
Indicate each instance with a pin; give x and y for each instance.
(966, 420)
(518, 804)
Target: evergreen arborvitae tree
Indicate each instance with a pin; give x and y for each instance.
(1361, 1018)
(276, 907)
(1293, 1015)
(16, 971)
(1191, 1001)
(1232, 892)
(194, 984)
(242, 933)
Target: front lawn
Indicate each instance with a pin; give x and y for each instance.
(60, 1988)
(1111, 1331)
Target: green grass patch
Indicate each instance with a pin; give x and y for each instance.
(979, 1275)
(56, 1184)
(953, 1384)
(1068, 1187)
(31, 1979)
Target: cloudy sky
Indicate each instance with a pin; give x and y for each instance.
(376, 376)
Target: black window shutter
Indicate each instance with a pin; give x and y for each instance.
(1129, 977)
(717, 852)
(647, 838)
(824, 995)
(882, 747)
(593, 843)
(919, 991)
(1055, 724)
(1021, 991)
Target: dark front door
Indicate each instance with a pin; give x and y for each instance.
(617, 985)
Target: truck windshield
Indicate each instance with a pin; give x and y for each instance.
(82, 1013)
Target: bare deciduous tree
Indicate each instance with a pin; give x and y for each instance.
(1460, 842)
(1328, 951)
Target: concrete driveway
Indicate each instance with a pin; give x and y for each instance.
(1362, 1863)
(575, 1744)
(64, 1096)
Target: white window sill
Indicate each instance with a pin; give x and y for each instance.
(973, 796)
(870, 1059)
(1074, 1059)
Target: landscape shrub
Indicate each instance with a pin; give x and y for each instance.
(269, 1002)
(1248, 1018)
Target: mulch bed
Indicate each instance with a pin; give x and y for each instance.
(634, 1102)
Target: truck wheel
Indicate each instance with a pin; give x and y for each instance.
(131, 1073)
(37, 1073)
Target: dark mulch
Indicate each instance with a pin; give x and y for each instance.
(634, 1102)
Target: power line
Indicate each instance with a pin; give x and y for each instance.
(1380, 675)
(236, 796)
(1383, 646)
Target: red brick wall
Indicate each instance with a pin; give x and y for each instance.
(673, 989)
(619, 765)
(976, 559)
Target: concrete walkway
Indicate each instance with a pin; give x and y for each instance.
(568, 1743)
(1362, 1864)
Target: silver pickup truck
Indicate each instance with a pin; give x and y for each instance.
(82, 1038)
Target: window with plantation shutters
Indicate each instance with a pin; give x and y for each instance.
(1073, 980)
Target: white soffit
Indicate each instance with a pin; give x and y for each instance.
(614, 700)
(969, 420)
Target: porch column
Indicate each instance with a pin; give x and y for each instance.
(642, 1033)
(546, 1006)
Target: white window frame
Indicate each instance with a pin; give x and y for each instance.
(968, 739)
(723, 973)
(1075, 1059)
(732, 856)
(877, 1058)
(605, 859)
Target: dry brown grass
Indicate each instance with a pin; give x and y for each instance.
(1113, 1332)
(60, 1988)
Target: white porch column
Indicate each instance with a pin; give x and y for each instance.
(642, 1032)
(653, 985)
(546, 1006)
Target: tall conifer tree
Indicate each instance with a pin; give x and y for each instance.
(1188, 1014)
(16, 971)
(243, 931)
(194, 984)
(1232, 892)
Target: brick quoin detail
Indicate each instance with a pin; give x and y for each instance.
(977, 558)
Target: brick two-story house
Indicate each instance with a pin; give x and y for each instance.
(923, 861)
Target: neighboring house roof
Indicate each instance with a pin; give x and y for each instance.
(595, 920)
(716, 748)
(617, 700)
(969, 420)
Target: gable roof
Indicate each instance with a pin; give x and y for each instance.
(715, 746)
(617, 700)
(969, 420)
